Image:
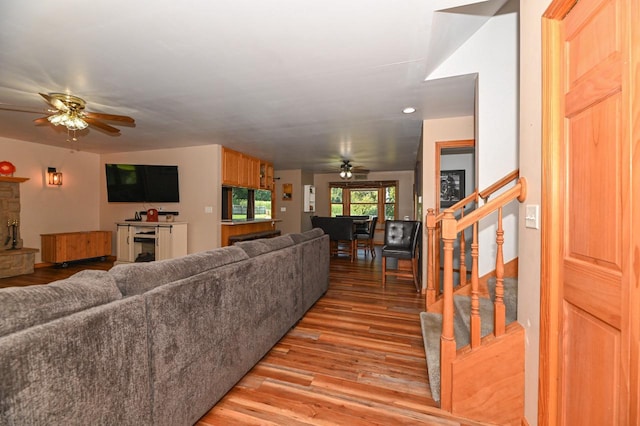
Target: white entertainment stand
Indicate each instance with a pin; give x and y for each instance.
(160, 240)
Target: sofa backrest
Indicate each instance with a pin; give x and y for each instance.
(307, 235)
(24, 307)
(137, 278)
(255, 248)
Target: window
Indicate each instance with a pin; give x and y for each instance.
(365, 199)
(390, 202)
(337, 208)
(240, 199)
(243, 203)
(364, 202)
(262, 208)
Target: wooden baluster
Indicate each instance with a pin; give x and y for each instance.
(463, 256)
(475, 302)
(431, 260)
(447, 338)
(499, 311)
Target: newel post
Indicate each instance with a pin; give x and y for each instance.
(447, 338)
(431, 246)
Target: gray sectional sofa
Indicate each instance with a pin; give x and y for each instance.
(154, 343)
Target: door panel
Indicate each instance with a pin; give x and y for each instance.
(590, 359)
(593, 191)
(590, 387)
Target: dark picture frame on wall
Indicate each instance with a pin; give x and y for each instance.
(451, 187)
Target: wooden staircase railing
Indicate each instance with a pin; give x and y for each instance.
(450, 227)
(433, 252)
(434, 235)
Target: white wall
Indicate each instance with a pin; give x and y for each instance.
(45, 209)
(492, 53)
(531, 167)
(438, 130)
(200, 180)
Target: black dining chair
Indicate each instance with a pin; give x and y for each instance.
(341, 235)
(401, 241)
(364, 238)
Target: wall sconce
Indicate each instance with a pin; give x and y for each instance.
(54, 177)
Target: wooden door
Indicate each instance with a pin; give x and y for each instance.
(589, 295)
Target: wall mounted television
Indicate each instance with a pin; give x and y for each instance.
(141, 183)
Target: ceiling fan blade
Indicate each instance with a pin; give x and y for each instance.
(109, 117)
(54, 102)
(41, 120)
(17, 108)
(359, 169)
(100, 125)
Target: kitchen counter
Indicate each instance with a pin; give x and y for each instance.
(230, 228)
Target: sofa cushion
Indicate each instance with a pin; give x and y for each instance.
(90, 367)
(137, 278)
(23, 307)
(307, 235)
(265, 245)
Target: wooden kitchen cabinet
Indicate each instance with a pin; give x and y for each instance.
(242, 170)
(231, 166)
(69, 246)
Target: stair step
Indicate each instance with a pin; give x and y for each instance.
(431, 323)
(462, 320)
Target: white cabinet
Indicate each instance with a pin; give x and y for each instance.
(144, 241)
(309, 198)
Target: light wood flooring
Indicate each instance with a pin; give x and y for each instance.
(356, 358)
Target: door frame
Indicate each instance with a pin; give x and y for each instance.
(551, 188)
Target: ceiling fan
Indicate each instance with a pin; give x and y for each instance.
(69, 111)
(347, 170)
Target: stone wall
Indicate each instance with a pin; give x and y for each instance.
(9, 212)
(14, 259)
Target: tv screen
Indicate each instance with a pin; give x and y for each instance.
(134, 183)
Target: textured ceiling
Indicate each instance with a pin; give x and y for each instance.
(301, 83)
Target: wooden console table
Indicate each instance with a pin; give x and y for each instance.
(68, 246)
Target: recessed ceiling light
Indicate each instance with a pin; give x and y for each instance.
(409, 110)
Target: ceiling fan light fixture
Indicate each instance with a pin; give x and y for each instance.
(76, 123)
(71, 120)
(345, 170)
(57, 119)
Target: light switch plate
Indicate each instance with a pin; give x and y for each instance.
(532, 216)
(283, 209)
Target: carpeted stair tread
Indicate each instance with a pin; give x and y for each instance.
(431, 328)
(462, 306)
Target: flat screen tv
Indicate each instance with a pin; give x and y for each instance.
(141, 183)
